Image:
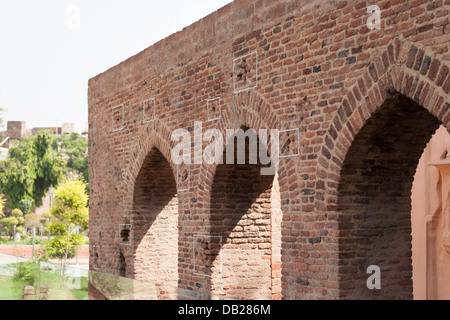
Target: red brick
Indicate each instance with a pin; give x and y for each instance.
(321, 71)
(434, 68)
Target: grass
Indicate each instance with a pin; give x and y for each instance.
(82, 293)
(11, 289)
(27, 242)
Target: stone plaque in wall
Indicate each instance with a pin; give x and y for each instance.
(118, 115)
(183, 177)
(149, 110)
(125, 234)
(214, 109)
(245, 72)
(289, 142)
(208, 256)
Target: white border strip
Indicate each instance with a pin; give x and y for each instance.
(220, 254)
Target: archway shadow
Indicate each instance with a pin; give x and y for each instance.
(237, 257)
(374, 199)
(155, 224)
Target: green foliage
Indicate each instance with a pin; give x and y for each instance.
(16, 179)
(83, 292)
(24, 237)
(71, 202)
(56, 248)
(69, 213)
(17, 213)
(2, 205)
(26, 205)
(49, 166)
(45, 218)
(37, 241)
(8, 224)
(31, 169)
(74, 148)
(25, 274)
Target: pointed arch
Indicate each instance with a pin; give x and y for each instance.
(410, 85)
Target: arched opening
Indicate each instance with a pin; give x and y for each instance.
(374, 200)
(245, 222)
(155, 223)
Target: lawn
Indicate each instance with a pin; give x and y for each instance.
(11, 289)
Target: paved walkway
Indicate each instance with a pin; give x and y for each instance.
(9, 254)
(7, 259)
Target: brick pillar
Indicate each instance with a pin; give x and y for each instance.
(43, 292)
(28, 293)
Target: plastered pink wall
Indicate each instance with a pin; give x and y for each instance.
(431, 262)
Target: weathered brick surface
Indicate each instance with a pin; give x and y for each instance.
(16, 130)
(344, 200)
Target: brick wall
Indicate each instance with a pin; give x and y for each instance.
(311, 66)
(15, 130)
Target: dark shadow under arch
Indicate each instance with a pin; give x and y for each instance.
(374, 199)
(243, 206)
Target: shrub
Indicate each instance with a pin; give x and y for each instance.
(37, 241)
(24, 273)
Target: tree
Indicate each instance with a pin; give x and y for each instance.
(8, 225)
(25, 275)
(2, 205)
(16, 180)
(49, 167)
(26, 205)
(74, 148)
(32, 220)
(18, 214)
(31, 169)
(70, 214)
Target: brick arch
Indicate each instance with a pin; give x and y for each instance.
(155, 135)
(401, 67)
(403, 74)
(251, 112)
(250, 106)
(152, 145)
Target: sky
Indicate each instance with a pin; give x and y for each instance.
(49, 49)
